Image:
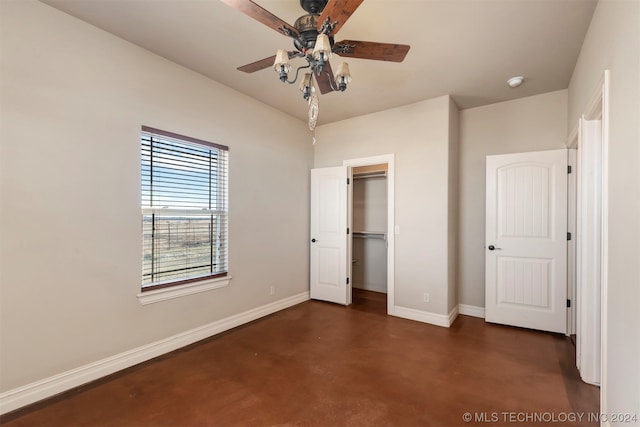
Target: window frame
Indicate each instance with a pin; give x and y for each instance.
(171, 288)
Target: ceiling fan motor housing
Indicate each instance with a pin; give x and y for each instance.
(307, 26)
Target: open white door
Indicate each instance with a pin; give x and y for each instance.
(329, 273)
(526, 240)
(589, 251)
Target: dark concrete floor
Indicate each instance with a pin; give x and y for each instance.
(320, 364)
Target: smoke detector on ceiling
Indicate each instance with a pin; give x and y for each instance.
(515, 81)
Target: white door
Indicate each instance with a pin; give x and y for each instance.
(589, 253)
(329, 270)
(526, 240)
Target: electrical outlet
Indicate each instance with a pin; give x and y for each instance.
(272, 290)
(426, 297)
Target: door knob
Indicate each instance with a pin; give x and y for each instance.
(313, 240)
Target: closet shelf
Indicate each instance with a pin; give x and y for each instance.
(370, 234)
(370, 171)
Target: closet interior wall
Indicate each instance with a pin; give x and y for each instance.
(369, 249)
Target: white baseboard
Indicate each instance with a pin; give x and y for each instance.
(425, 316)
(471, 310)
(31, 393)
(453, 315)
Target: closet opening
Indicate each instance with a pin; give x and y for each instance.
(369, 237)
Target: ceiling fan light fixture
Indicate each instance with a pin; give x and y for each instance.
(281, 65)
(313, 38)
(306, 86)
(322, 49)
(343, 76)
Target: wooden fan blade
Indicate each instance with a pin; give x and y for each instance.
(265, 63)
(258, 65)
(338, 11)
(371, 50)
(260, 14)
(325, 79)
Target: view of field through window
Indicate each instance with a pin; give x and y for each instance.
(177, 247)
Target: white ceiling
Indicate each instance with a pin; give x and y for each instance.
(466, 48)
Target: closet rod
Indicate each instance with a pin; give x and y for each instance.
(363, 175)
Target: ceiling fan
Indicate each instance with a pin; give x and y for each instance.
(313, 39)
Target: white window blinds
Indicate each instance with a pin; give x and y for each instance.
(184, 209)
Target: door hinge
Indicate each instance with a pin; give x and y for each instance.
(569, 169)
(568, 303)
(347, 280)
(348, 181)
(347, 230)
(568, 236)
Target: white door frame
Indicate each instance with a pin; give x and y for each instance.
(598, 108)
(572, 204)
(389, 159)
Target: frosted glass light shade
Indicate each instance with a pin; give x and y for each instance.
(282, 59)
(343, 74)
(322, 48)
(305, 84)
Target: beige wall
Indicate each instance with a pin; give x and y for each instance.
(613, 43)
(418, 135)
(73, 100)
(535, 123)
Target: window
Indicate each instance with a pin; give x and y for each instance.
(184, 209)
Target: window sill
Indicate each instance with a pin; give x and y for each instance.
(164, 294)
